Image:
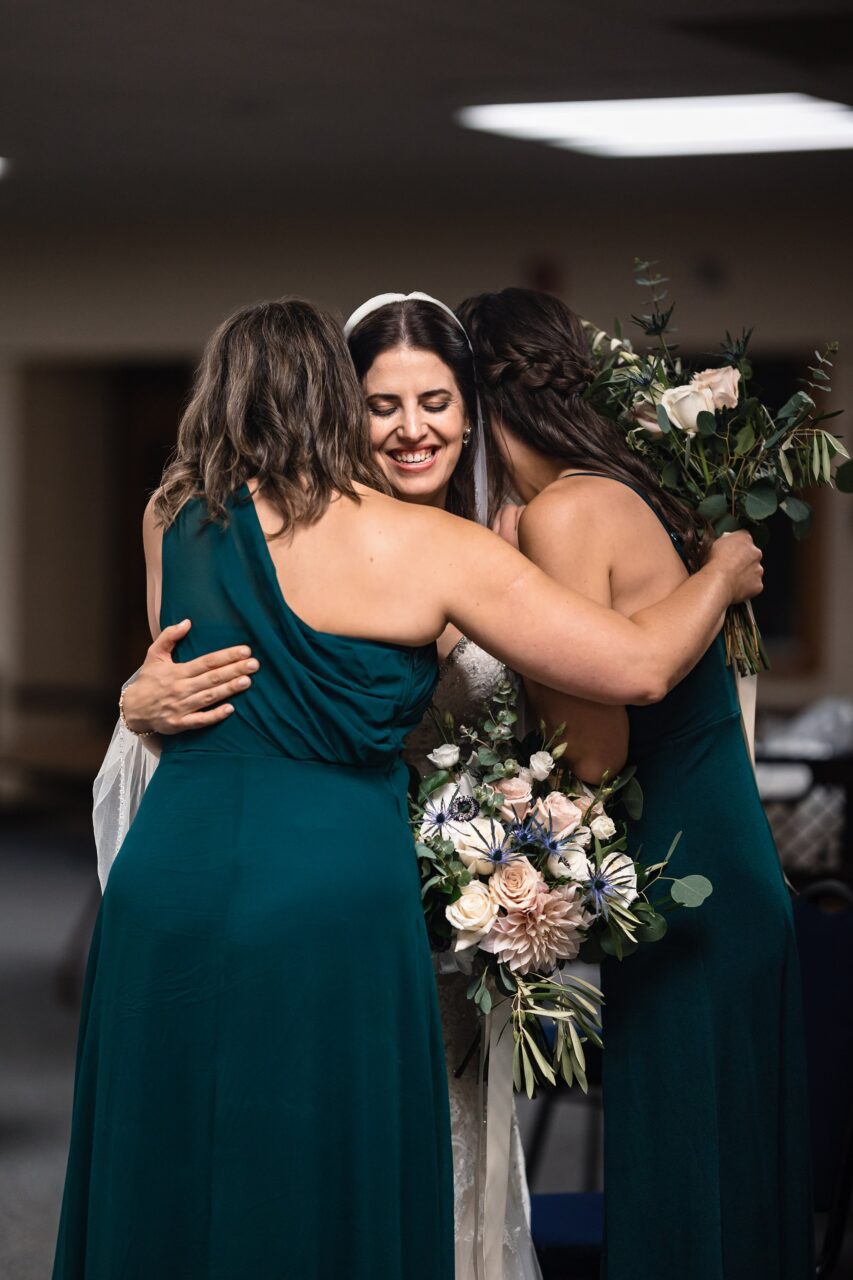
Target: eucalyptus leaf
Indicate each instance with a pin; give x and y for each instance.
(795, 509)
(797, 407)
(706, 423)
(433, 782)
(433, 880)
(670, 475)
(632, 798)
(653, 930)
(714, 506)
(691, 891)
(611, 945)
(728, 524)
(803, 528)
(844, 477)
(760, 502)
(744, 440)
(663, 421)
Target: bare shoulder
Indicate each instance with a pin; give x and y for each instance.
(152, 530)
(416, 523)
(581, 507)
(566, 508)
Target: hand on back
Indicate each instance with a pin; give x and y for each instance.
(168, 696)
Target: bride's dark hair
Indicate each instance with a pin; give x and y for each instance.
(534, 363)
(275, 399)
(425, 327)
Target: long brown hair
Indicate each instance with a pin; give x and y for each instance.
(534, 364)
(423, 326)
(275, 398)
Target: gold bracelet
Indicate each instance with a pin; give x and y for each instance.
(139, 733)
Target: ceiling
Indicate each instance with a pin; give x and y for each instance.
(195, 108)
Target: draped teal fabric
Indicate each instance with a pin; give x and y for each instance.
(707, 1155)
(261, 1089)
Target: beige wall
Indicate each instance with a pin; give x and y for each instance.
(91, 295)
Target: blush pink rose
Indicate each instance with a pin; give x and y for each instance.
(722, 384)
(515, 884)
(518, 798)
(558, 813)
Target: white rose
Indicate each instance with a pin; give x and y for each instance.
(473, 840)
(603, 827)
(684, 404)
(571, 863)
(472, 915)
(541, 764)
(722, 383)
(445, 756)
(525, 774)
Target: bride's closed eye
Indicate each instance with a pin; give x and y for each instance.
(385, 410)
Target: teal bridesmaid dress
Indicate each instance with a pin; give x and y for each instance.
(261, 1090)
(706, 1157)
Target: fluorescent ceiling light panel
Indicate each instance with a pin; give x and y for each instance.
(730, 124)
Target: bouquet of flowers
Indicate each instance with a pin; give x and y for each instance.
(523, 870)
(713, 441)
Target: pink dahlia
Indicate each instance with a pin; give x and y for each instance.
(551, 929)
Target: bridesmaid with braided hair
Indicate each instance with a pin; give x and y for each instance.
(706, 1145)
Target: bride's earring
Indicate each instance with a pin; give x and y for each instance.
(466, 435)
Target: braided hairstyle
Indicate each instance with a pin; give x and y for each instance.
(534, 364)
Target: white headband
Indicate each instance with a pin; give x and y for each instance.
(481, 480)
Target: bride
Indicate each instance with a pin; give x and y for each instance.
(416, 369)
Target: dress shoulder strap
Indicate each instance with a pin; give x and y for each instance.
(635, 488)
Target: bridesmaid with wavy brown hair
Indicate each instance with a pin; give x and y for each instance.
(706, 1146)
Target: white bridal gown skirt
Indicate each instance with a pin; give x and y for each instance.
(459, 1024)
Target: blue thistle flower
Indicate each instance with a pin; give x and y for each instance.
(609, 883)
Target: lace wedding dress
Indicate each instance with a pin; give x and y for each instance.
(467, 677)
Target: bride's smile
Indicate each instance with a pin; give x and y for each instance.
(417, 422)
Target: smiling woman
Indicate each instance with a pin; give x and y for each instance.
(417, 374)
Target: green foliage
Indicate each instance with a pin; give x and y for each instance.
(691, 891)
(741, 464)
